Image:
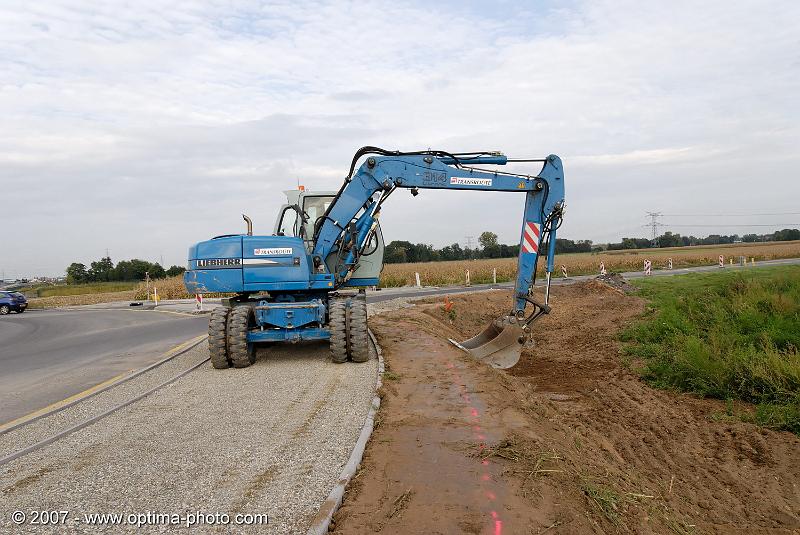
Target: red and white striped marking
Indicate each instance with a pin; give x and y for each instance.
(647, 267)
(198, 301)
(530, 237)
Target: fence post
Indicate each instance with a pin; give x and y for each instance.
(564, 271)
(468, 284)
(721, 261)
(752, 261)
(416, 275)
(669, 264)
(494, 275)
(155, 295)
(647, 266)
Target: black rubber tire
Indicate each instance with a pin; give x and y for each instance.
(359, 338)
(336, 324)
(21, 310)
(242, 353)
(4, 309)
(218, 338)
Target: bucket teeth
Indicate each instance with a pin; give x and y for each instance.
(499, 344)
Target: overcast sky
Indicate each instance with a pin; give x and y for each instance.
(142, 127)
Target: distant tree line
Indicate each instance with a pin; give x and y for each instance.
(399, 252)
(104, 270)
(668, 239)
(787, 234)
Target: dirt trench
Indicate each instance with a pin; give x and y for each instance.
(568, 441)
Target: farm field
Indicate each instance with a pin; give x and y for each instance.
(53, 296)
(61, 290)
(57, 301)
(579, 437)
(445, 273)
(452, 272)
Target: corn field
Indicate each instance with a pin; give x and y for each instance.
(480, 271)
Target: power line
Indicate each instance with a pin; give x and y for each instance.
(739, 225)
(731, 215)
(654, 224)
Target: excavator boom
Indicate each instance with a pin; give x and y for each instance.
(364, 192)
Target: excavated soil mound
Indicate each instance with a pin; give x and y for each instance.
(615, 280)
(568, 441)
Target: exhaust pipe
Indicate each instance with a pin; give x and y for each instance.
(249, 225)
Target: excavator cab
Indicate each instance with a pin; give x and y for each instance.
(304, 211)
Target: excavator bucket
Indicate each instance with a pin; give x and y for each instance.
(499, 344)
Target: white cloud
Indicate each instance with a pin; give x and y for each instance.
(166, 123)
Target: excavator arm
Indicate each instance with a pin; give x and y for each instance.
(346, 227)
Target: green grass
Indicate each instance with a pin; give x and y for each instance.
(391, 376)
(730, 335)
(604, 499)
(81, 289)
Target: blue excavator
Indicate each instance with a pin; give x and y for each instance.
(308, 280)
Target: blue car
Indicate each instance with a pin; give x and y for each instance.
(12, 301)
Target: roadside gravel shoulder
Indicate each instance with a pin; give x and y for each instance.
(272, 438)
(29, 434)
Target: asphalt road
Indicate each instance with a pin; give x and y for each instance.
(47, 356)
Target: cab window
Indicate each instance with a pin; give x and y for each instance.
(288, 217)
(315, 207)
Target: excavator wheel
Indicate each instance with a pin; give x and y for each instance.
(338, 328)
(242, 353)
(359, 339)
(218, 338)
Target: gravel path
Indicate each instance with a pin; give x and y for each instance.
(42, 428)
(271, 438)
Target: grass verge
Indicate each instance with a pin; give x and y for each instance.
(82, 299)
(728, 335)
(83, 289)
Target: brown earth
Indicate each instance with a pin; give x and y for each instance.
(569, 441)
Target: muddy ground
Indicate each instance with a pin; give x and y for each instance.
(568, 441)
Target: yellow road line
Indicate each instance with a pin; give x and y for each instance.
(91, 390)
(184, 344)
(177, 313)
(63, 402)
